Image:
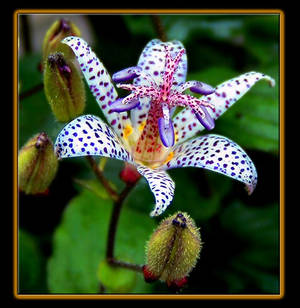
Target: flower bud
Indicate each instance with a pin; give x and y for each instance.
(172, 250)
(57, 32)
(129, 174)
(37, 165)
(64, 87)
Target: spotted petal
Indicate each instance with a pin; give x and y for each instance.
(161, 186)
(89, 135)
(216, 153)
(225, 95)
(98, 80)
(152, 62)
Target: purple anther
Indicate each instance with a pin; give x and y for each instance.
(202, 88)
(126, 74)
(64, 25)
(207, 121)
(166, 132)
(118, 106)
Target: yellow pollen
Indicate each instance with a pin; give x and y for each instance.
(169, 157)
(127, 131)
(142, 125)
(176, 136)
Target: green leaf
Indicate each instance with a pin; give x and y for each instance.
(140, 25)
(94, 186)
(258, 226)
(79, 244)
(198, 192)
(267, 282)
(31, 264)
(116, 279)
(182, 27)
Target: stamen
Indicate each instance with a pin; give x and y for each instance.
(130, 73)
(126, 74)
(196, 87)
(167, 135)
(119, 106)
(166, 114)
(207, 121)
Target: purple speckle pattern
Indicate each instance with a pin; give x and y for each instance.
(225, 95)
(152, 61)
(161, 186)
(216, 153)
(89, 135)
(99, 81)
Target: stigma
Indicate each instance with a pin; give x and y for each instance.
(165, 94)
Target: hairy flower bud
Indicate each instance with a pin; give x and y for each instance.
(57, 32)
(172, 250)
(64, 87)
(37, 165)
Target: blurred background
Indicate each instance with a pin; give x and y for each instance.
(62, 235)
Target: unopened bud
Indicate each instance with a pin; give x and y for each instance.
(57, 32)
(173, 250)
(37, 165)
(64, 87)
(129, 174)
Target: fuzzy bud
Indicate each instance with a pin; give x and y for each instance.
(37, 165)
(57, 32)
(64, 88)
(172, 250)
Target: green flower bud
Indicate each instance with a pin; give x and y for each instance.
(37, 165)
(64, 87)
(173, 250)
(57, 32)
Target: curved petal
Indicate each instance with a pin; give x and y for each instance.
(216, 153)
(98, 80)
(89, 135)
(161, 186)
(152, 62)
(225, 95)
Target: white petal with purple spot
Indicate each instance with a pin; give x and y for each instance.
(161, 186)
(89, 135)
(225, 95)
(216, 153)
(98, 80)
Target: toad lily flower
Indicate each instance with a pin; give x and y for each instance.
(142, 130)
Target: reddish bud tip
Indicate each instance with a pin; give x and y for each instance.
(148, 276)
(177, 284)
(129, 174)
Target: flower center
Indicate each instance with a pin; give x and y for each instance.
(158, 135)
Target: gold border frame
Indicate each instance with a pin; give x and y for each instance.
(15, 153)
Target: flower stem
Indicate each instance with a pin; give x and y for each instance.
(31, 91)
(118, 202)
(161, 33)
(113, 194)
(114, 221)
(134, 267)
